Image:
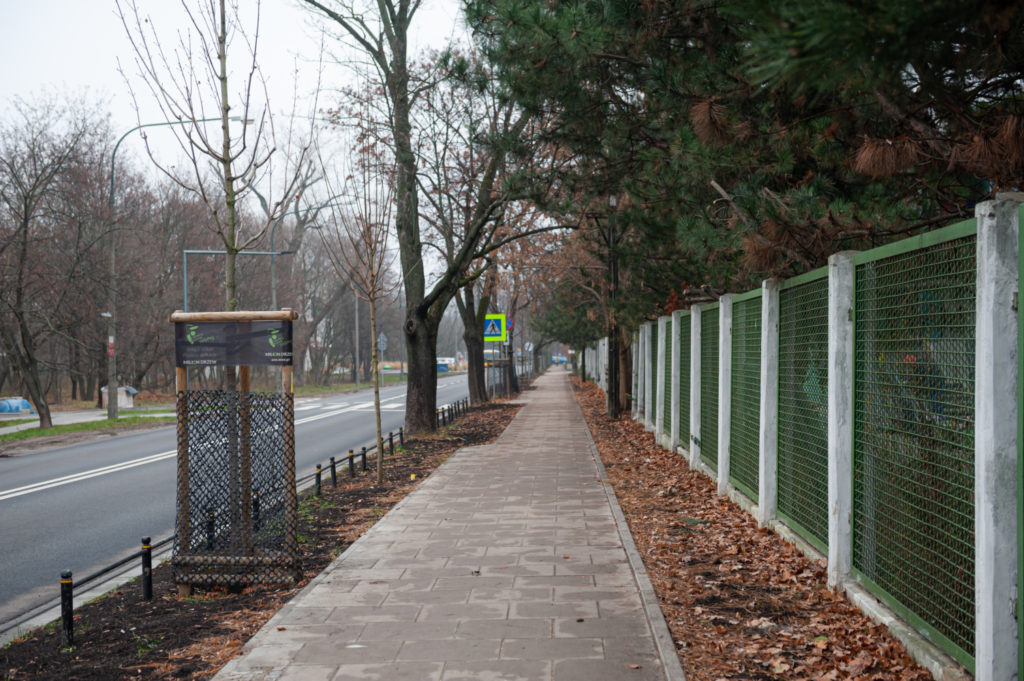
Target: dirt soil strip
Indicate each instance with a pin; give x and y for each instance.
(741, 603)
(120, 636)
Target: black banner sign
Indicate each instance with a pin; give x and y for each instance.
(232, 344)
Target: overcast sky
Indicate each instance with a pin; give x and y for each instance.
(75, 45)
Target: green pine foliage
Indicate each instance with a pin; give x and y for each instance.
(756, 137)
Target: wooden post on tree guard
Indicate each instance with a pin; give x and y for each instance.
(237, 505)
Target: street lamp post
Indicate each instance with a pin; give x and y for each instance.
(112, 288)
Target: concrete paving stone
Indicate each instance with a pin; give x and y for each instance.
(428, 551)
(409, 631)
(359, 563)
(270, 656)
(464, 611)
(536, 593)
(561, 580)
(641, 669)
(393, 671)
(383, 613)
(627, 606)
(290, 634)
(614, 580)
(308, 672)
(551, 648)
(326, 595)
(599, 627)
(301, 614)
(413, 562)
(532, 609)
(491, 542)
(428, 597)
(474, 582)
(328, 651)
(341, 572)
(580, 568)
(628, 647)
(481, 561)
(448, 649)
(505, 628)
(416, 572)
(498, 670)
(517, 551)
(394, 584)
(570, 594)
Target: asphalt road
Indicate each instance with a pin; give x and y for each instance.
(82, 507)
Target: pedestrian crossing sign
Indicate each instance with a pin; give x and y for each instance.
(495, 329)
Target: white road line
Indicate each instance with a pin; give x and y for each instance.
(106, 470)
(85, 475)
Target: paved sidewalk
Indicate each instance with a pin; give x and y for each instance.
(507, 564)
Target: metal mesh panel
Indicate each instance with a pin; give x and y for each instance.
(709, 387)
(744, 433)
(236, 509)
(803, 410)
(666, 425)
(913, 434)
(684, 381)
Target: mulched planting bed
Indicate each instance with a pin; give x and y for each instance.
(740, 602)
(120, 636)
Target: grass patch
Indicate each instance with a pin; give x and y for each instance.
(18, 422)
(87, 426)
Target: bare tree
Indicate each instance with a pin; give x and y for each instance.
(42, 247)
(190, 83)
(359, 251)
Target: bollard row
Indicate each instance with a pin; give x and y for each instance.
(67, 586)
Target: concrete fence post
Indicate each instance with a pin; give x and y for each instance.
(694, 444)
(634, 392)
(649, 387)
(767, 479)
(642, 374)
(724, 390)
(995, 462)
(673, 437)
(659, 381)
(840, 416)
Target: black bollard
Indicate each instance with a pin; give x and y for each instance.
(147, 569)
(364, 459)
(391, 443)
(401, 436)
(319, 472)
(210, 529)
(67, 609)
(334, 473)
(351, 464)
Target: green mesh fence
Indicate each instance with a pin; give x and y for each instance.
(709, 386)
(745, 422)
(684, 380)
(666, 421)
(803, 409)
(913, 504)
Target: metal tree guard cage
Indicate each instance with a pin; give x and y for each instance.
(237, 505)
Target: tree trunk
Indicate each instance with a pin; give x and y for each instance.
(421, 390)
(625, 371)
(376, 389)
(473, 335)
